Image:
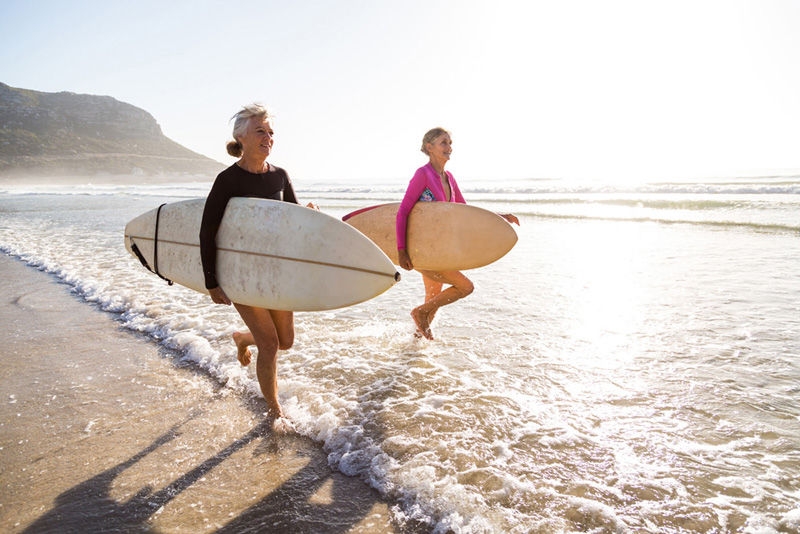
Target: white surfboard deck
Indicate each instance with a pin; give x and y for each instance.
(441, 236)
(270, 254)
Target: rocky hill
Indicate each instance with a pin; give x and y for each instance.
(50, 134)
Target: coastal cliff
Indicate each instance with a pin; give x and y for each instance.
(53, 134)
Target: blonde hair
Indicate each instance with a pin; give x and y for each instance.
(241, 119)
(430, 136)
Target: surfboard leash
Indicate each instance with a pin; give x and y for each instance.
(141, 257)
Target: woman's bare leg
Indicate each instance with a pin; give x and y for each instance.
(265, 326)
(283, 324)
(460, 287)
(432, 289)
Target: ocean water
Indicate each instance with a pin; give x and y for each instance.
(632, 365)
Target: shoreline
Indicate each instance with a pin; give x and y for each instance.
(102, 429)
(21, 180)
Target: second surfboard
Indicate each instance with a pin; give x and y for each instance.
(441, 236)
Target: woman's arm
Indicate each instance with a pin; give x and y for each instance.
(288, 189)
(213, 211)
(415, 188)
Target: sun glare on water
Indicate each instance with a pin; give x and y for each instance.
(605, 289)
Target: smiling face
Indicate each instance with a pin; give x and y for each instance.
(258, 138)
(440, 148)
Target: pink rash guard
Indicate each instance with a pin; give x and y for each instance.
(424, 185)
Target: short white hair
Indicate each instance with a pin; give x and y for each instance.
(240, 121)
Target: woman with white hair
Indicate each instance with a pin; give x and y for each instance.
(250, 176)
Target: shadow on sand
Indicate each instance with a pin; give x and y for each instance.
(90, 508)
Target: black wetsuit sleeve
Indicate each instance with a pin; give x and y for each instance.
(213, 211)
(288, 190)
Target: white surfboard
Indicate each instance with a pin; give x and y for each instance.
(441, 236)
(271, 254)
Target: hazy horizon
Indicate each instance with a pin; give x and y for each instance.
(612, 91)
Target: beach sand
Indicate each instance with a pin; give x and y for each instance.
(101, 431)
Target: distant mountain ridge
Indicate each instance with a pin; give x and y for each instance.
(75, 134)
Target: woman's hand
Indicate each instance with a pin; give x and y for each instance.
(219, 296)
(405, 260)
(510, 217)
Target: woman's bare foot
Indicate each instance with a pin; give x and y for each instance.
(283, 426)
(279, 423)
(431, 315)
(421, 320)
(274, 412)
(243, 350)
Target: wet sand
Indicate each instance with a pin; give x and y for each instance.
(101, 430)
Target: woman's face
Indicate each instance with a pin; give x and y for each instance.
(441, 148)
(258, 138)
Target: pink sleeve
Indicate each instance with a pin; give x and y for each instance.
(415, 188)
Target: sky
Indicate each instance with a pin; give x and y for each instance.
(607, 91)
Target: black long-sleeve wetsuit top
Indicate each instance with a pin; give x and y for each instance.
(236, 182)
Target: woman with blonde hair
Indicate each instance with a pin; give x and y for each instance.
(432, 183)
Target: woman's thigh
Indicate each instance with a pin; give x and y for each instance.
(268, 325)
(453, 278)
(284, 326)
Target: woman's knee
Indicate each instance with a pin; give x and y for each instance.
(465, 288)
(286, 340)
(284, 328)
(276, 339)
(267, 340)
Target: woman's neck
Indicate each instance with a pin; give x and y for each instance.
(438, 166)
(253, 165)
